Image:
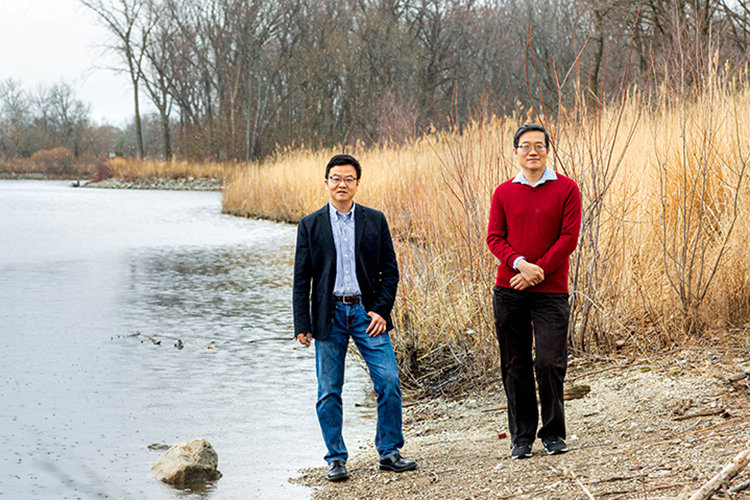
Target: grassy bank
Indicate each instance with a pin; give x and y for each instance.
(129, 169)
(60, 163)
(663, 251)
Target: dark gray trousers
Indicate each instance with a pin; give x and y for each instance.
(520, 318)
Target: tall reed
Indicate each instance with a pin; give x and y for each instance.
(663, 252)
(126, 168)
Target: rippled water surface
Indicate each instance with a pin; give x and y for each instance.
(81, 396)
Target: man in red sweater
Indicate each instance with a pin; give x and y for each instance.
(535, 219)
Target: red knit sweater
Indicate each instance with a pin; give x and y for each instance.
(539, 223)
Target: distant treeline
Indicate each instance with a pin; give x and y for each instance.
(48, 118)
(51, 117)
(243, 77)
(237, 79)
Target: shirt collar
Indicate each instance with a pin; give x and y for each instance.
(548, 175)
(336, 215)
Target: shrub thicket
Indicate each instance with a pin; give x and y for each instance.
(57, 162)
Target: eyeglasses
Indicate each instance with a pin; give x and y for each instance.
(539, 148)
(335, 180)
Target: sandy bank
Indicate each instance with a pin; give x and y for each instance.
(636, 434)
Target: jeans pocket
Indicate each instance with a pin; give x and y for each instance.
(363, 313)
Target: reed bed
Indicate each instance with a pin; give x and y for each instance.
(126, 168)
(663, 252)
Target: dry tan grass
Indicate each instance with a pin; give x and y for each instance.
(44, 165)
(133, 169)
(663, 252)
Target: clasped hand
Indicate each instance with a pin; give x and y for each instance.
(528, 275)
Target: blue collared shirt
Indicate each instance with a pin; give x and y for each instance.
(548, 175)
(346, 263)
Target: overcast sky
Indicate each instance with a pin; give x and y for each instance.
(45, 41)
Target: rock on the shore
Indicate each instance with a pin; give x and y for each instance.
(186, 463)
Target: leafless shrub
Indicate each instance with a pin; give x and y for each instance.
(102, 171)
(58, 162)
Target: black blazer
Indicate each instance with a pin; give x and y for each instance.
(315, 264)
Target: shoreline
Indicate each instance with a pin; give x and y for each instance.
(159, 183)
(156, 183)
(646, 429)
(34, 176)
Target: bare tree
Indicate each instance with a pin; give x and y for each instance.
(14, 119)
(130, 23)
(240, 78)
(157, 75)
(272, 36)
(68, 116)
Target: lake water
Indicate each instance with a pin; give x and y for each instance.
(81, 396)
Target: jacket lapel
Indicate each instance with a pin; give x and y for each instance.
(326, 232)
(360, 221)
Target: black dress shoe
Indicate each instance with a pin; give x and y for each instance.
(397, 463)
(337, 471)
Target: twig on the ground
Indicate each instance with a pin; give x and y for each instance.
(740, 487)
(711, 428)
(653, 488)
(612, 479)
(498, 408)
(568, 473)
(738, 377)
(705, 413)
(724, 477)
(634, 458)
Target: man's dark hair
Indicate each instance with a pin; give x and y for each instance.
(529, 128)
(344, 160)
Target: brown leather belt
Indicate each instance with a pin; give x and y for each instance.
(350, 300)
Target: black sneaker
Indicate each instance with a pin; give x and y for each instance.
(521, 449)
(554, 445)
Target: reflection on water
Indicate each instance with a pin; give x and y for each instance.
(86, 276)
(225, 290)
(202, 491)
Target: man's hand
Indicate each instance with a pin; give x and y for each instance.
(532, 273)
(305, 339)
(518, 283)
(377, 325)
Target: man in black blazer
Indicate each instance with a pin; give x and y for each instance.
(345, 280)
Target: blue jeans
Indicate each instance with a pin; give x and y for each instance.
(330, 354)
